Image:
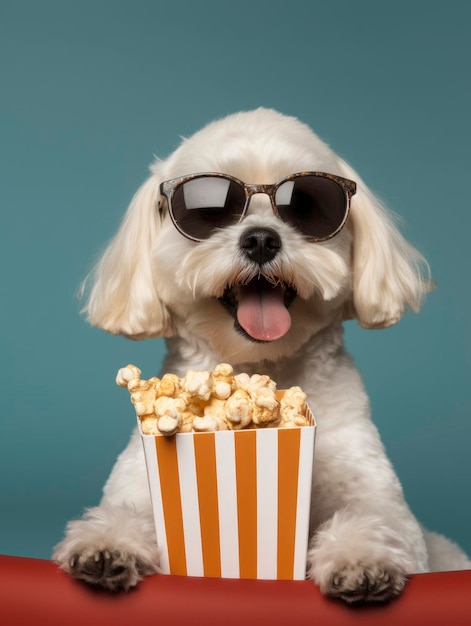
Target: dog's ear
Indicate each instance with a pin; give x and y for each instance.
(389, 275)
(123, 294)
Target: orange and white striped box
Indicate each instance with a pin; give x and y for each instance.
(233, 504)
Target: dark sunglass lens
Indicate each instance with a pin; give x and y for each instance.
(201, 205)
(316, 206)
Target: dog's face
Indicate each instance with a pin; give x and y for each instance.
(257, 289)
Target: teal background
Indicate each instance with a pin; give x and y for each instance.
(92, 90)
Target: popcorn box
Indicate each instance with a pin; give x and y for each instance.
(233, 504)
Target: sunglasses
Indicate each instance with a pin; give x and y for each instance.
(315, 203)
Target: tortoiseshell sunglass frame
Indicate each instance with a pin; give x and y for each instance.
(349, 187)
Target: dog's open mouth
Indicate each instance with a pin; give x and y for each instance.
(260, 308)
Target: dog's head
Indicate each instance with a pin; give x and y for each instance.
(255, 288)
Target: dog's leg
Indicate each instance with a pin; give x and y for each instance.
(366, 541)
(360, 558)
(114, 544)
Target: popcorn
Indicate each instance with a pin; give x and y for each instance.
(205, 424)
(170, 386)
(125, 374)
(198, 384)
(204, 401)
(143, 392)
(238, 409)
(169, 412)
(291, 405)
(222, 379)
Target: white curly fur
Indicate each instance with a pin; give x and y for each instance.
(151, 281)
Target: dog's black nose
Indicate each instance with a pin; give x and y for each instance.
(260, 244)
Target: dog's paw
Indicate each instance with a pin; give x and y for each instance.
(360, 559)
(358, 583)
(113, 570)
(111, 547)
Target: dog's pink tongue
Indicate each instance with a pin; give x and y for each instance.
(261, 311)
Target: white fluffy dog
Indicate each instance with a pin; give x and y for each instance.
(264, 281)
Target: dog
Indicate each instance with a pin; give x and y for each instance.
(252, 244)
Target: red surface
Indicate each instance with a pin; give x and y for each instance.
(36, 592)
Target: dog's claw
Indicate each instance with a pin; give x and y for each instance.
(110, 570)
(373, 585)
